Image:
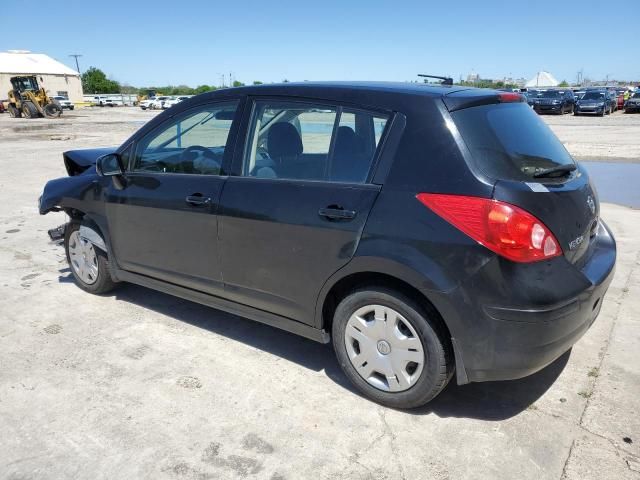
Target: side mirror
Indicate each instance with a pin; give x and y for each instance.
(109, 165)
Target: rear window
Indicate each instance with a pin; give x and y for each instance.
(509, 141)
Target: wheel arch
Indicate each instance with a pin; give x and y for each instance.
(374, 272)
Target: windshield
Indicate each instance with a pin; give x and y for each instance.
(550, 94)
(593, 96)
(636, 95)
(510, 141)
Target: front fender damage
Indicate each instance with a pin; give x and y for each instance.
(64, 193)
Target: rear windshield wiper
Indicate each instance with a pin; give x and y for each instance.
(556, 171)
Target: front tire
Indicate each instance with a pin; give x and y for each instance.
(52, 110)
(392, 349)
(88, 264)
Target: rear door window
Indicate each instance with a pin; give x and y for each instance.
(304, 141)
(509, 141)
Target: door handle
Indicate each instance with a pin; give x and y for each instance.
(197, 200)
(336, 213)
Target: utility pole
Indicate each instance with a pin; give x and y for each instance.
(76, 55)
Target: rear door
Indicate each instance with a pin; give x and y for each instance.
(513, 146)
(294, 212)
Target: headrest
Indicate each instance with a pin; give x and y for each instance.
(284, 140)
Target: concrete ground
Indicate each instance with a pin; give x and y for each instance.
(139, 384)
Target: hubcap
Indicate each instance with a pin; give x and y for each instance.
(83, 258)
(384, 348)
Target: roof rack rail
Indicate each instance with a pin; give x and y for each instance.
(445, 80)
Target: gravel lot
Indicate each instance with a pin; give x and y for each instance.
(139, 384)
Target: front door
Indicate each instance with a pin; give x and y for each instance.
(163, 222)
(293, 214)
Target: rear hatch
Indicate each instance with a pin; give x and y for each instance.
(510, 145)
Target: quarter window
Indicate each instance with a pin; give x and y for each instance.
(312, 142)
(194, 143)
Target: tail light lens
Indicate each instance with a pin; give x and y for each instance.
(503, 228)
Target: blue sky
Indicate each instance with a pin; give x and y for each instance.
(145, 43)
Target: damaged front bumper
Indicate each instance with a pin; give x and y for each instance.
(57, 234)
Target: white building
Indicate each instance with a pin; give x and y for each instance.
(542, 79)
(55, 77)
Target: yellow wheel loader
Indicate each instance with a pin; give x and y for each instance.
(28, 99)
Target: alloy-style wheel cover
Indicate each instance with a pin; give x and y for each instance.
(384, 348)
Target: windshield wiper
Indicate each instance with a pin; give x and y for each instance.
(556, 171)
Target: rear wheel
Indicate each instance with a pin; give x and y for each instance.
(89, 265)
(14, 112)
(29, 110)
(390, 348)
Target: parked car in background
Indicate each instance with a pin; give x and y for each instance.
(596, 102)
(554, 101)
(64, 102)
(613, 95)
(146, 103)
(530, 95)
(158, 103)
(619, 94)
(175, 100)
(633, 104)
(99, 100)
(404, 223)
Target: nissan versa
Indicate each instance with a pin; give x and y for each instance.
(424, 230)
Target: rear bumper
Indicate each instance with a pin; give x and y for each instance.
(498, 340)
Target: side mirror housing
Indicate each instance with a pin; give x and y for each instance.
(109, 165)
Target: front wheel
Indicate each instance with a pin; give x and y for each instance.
(89, 265)
(391, 348)
(52, 110)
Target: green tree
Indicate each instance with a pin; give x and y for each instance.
(95, 81)
(257, 82)
(203, 89)
(563, 83)
(237, 83)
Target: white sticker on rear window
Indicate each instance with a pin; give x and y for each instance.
(536, 187)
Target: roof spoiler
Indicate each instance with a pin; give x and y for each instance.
(445, 80)
(476, 97)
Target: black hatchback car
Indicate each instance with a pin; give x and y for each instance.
(424, 230)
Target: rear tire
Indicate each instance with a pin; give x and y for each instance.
(390, 376)
(88, 264)
(14, 112)
(29, 110)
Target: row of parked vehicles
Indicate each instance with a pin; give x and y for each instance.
(162, 102)
(593, 101)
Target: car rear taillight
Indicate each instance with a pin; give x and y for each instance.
(503, 228)
(509, 97)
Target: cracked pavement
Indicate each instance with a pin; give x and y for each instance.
(139, 384)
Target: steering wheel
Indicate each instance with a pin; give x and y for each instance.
(198, 156)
